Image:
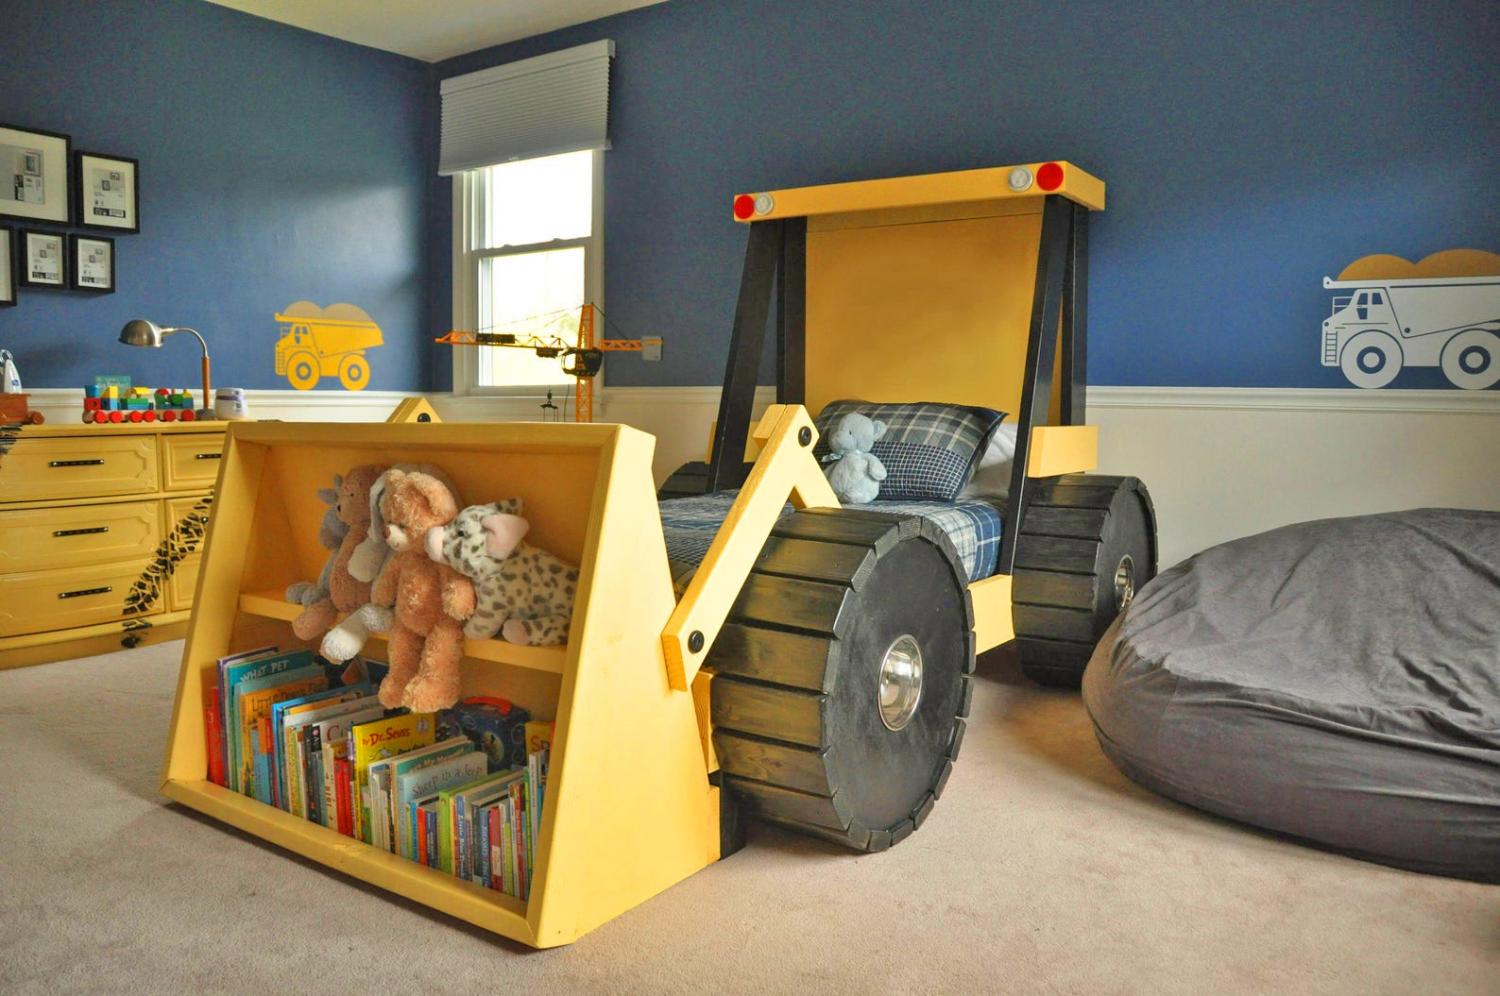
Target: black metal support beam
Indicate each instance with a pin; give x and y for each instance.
(1075, 322)
(1041, 355)
(762, 253)
(791, 314)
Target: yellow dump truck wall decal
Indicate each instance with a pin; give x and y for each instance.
(325, 342)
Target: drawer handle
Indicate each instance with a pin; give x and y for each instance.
(208, 456)
(85, 591)
(96, 462)
(81, 532)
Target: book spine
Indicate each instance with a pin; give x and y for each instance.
(421, 818)
(329, 787)
(431, 819)
(461, 838)
(518, 843)
(311, 780)
(482, 848)
(494, 838)
(343, 771)
(214, 735)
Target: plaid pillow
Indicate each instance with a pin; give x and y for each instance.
(929, 449)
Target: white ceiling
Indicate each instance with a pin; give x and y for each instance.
(432, 29)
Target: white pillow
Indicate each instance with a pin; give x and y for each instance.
(992, 477)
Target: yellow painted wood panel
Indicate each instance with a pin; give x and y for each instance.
(921, 312)
(77, 467)
(1062, 449)
(39, 601)
(989, 183)
(184, 581)
(87, 641)
(993, 620)
(190, 462)
(38, 539)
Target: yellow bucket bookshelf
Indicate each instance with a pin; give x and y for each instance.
(629, 808)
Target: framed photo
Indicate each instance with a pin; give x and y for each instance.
(44, 259)
(106, 191)
(93, 264)
(34, 180)
(7, 267)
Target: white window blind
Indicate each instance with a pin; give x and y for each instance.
(554, 103)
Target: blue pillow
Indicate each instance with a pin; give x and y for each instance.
(929, 449)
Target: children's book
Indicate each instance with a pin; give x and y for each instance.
(414, 775)
(379, 739)
(224, 666)
(424, 815)
(331, 727)
(213, 734)
(343, 774)
(252, 701)
(292, 707)
(295, 723)
(466, 804)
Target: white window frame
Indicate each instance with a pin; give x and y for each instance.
(468, 221)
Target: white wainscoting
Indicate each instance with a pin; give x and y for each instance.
(1220, 462)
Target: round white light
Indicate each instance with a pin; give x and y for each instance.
(1020, 179)
(764, 203)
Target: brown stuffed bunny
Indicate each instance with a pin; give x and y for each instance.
(345, 594)
(430, 600)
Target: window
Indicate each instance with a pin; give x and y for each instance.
(528, 254)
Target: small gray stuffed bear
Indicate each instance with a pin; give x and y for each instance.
(855, 473)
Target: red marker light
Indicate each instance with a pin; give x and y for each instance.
(1049, 176)
(744, 206)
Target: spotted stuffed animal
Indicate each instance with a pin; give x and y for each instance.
(523, 593)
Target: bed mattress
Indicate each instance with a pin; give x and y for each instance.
(974, 527)
(1336, 681)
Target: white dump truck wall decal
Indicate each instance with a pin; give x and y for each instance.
(1388, 314)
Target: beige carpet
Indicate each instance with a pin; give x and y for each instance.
(1041, 870)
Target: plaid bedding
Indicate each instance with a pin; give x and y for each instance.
(974, 527)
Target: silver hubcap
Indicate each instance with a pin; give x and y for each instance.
(1124, 583)
(900, 682)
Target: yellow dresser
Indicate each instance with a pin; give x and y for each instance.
(100, 530)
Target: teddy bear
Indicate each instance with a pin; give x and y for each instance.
(522, 592)
(429, 600)
(345, 594)
(348, 638)
(331, 533)
(856, 473)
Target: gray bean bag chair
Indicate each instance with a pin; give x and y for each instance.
(1336, 681)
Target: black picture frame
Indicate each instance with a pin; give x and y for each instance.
(76, 268)
(25, 279)
(12, 159)
(9, 272)
(84, 210)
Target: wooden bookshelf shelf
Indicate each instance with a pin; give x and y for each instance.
(487, 908)
(273, 605)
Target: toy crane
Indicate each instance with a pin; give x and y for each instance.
(582, 360)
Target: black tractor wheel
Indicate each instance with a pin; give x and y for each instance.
(1087, 543)
(842, 677)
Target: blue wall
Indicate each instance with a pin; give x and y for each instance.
(276, 164)
(1250, 149)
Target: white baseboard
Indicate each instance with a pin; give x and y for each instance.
(1220, 462)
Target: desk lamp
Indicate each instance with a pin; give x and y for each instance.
(139, 332)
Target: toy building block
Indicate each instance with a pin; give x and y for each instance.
(91, 404)
(91, 391)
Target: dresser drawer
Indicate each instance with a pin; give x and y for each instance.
(40, 601)
(190, 462)
(184, 582)
(78, 467)
(43, 538)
